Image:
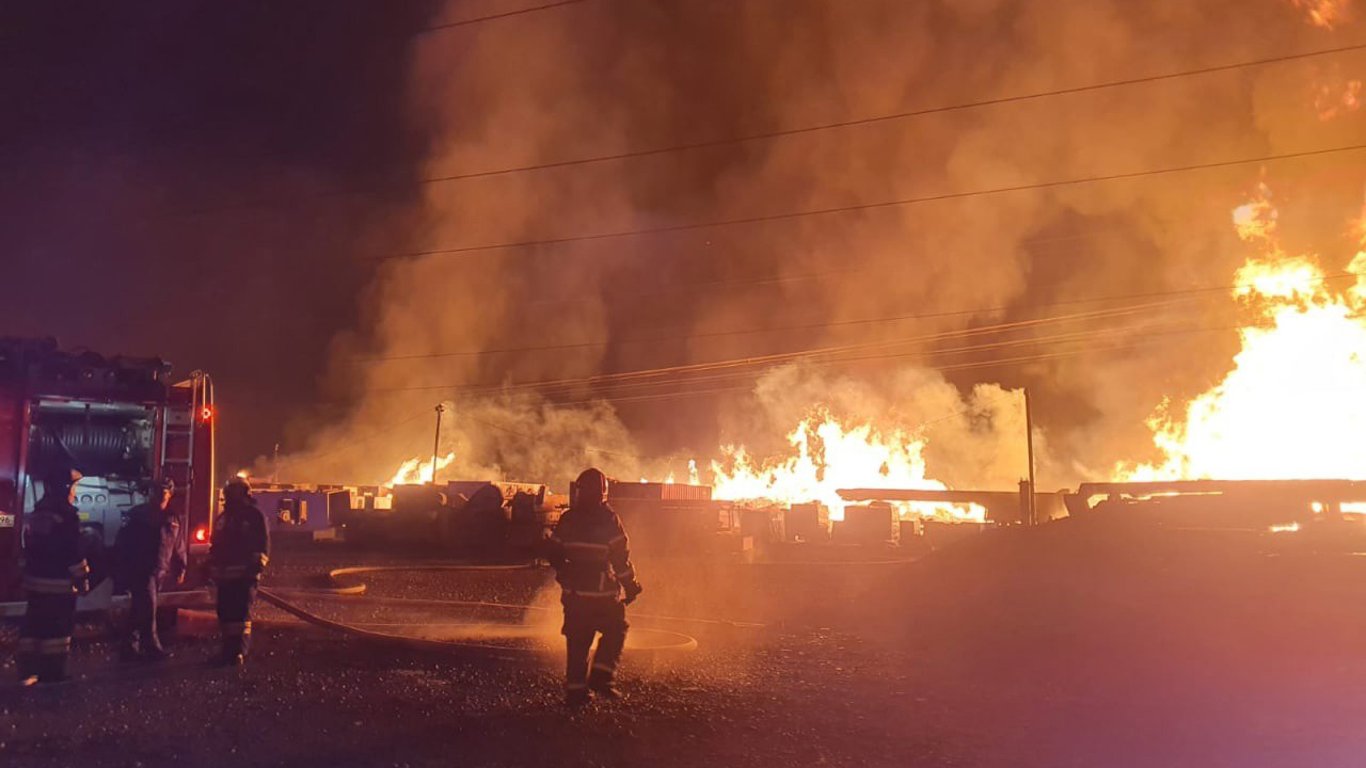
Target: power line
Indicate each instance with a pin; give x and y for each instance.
(974, 365)
(619, 389)
(944, 196)
(902, 115)
(868, 267)
(1151, 339)
(708, 335)
(811, 326)
(771, 359)
(1059, 339)
(800, 130)
(504, 15)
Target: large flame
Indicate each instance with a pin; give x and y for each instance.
(827, 456)
(1292, 405)
(418, 471)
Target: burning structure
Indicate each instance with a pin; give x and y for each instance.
(1303, 338)
(783, 380)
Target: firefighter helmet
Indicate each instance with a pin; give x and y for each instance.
(237, 489)
(591, 487)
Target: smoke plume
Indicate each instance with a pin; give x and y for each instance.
(608, 76)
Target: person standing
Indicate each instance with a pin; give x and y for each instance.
(592, 559)
(54, 575)
(150, 547)
(238, 554)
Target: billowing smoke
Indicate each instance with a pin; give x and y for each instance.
(608, 76)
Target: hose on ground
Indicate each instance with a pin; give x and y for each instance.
(671, 641)
(336, 587)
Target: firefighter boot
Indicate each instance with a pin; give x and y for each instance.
(576, 697)
(600, 683)
(230, 653)
(576, 668)
(605, 662)
(244, 643)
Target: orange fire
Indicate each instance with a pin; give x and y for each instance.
(418, 470)
(827, 456)
(1291, 406)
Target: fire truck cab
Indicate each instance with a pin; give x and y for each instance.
(123, 424)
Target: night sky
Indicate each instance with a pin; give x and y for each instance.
(204, 181)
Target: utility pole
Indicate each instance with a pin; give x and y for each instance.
(1030, 506)
(436, 444)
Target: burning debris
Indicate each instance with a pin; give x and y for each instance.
(417, 471)
(829, 457)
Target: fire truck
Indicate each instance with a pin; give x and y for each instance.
(123, 423)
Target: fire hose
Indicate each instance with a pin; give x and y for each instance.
(663, 640)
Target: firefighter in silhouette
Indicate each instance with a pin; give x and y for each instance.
(150, 548)
(593, 566)
(237, 555)
(55, 573)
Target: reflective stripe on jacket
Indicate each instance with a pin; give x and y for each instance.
(591, 553)
(241, 543)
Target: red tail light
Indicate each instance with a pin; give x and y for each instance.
(201, 534)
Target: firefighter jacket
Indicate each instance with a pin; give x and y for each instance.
(241, 543)
(591, 555)
(150, 544)
(53, 563)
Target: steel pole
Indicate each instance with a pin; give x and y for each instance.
(436, 444)
(1030, 511)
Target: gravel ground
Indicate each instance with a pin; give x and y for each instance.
(1070, 648)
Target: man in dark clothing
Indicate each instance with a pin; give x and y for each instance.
(237, 555)
(150, 548)
(54, 574)
(592, 560)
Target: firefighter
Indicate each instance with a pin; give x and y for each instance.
(149, 548)
(55, 573)
(237, 555)
(592, 562)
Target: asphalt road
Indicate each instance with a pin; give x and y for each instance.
(1077, 646)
